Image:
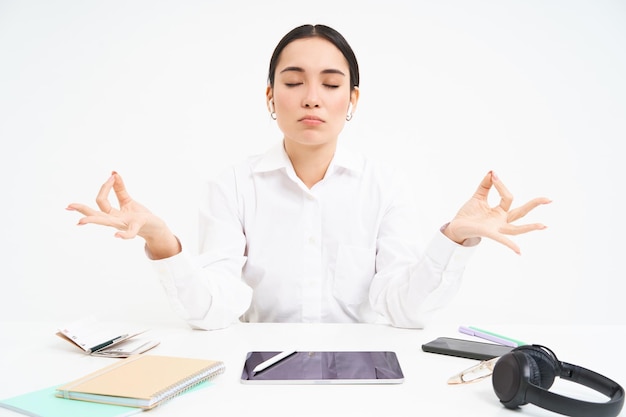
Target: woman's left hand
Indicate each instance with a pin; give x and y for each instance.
(477, 219)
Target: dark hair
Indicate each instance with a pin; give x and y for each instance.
(313, 31)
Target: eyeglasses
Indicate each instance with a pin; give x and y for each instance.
(475, 373)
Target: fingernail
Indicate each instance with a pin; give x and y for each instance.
(494, 176)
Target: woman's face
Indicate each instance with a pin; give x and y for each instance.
(311, 92)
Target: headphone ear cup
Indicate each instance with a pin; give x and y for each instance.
(545, 366)
(517, 369)
(508, 379)
(534, 372)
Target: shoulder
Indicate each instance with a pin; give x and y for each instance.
(374, 170)
(270, 160)
(237, 174)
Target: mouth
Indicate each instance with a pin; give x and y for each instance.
(311, 120)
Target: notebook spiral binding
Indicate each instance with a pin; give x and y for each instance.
(188, 383)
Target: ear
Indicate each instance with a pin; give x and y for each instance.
(354, 98)
(269, 96)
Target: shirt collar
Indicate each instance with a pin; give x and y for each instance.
(276, 158)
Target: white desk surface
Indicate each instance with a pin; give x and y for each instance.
(32, 357)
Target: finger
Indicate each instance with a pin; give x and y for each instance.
(131, 231)
(103, 219)
(523, 210)
(506, 198)
(82, 209)
(102, 199)
(120, 189)
(525, 228)
(483, 189)
(506, 242)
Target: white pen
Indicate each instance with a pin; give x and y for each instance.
(273, 360)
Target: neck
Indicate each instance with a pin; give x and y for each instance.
(310, 162)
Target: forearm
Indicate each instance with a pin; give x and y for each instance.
(409, 296)
(207, 296)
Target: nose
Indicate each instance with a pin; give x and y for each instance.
(311, 98)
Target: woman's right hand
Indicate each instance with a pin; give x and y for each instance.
(131, 219)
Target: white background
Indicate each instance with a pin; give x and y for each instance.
(169, 92)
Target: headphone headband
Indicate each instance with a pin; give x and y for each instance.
(579, 408)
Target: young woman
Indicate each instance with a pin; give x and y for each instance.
(310, 232)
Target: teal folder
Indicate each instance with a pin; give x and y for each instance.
(44, 403)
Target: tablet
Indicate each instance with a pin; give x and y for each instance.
(356, 367)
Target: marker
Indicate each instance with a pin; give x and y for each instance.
(273, 360)
(107, 343)
(493, 337)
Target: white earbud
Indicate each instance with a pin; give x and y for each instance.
(272, 112)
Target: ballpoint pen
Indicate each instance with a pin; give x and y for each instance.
(107, 343)
(493, 337)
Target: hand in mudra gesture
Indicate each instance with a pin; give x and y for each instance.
(131, 219)
(477, 219)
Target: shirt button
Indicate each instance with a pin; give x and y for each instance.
(312, 240)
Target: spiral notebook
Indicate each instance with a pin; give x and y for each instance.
(143, 381)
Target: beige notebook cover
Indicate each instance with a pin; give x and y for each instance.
(143, 381)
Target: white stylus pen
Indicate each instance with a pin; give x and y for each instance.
(273, 360)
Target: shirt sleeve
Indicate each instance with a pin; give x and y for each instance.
(207, 290)
(411, 283)
(436, 279)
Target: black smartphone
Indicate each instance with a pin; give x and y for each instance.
(465, 348)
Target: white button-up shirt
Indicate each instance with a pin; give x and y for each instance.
(272, 250)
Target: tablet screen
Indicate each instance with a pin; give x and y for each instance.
(359, 367)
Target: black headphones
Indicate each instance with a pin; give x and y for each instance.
(525, 374)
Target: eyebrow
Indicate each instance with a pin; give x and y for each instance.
(326, 71)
